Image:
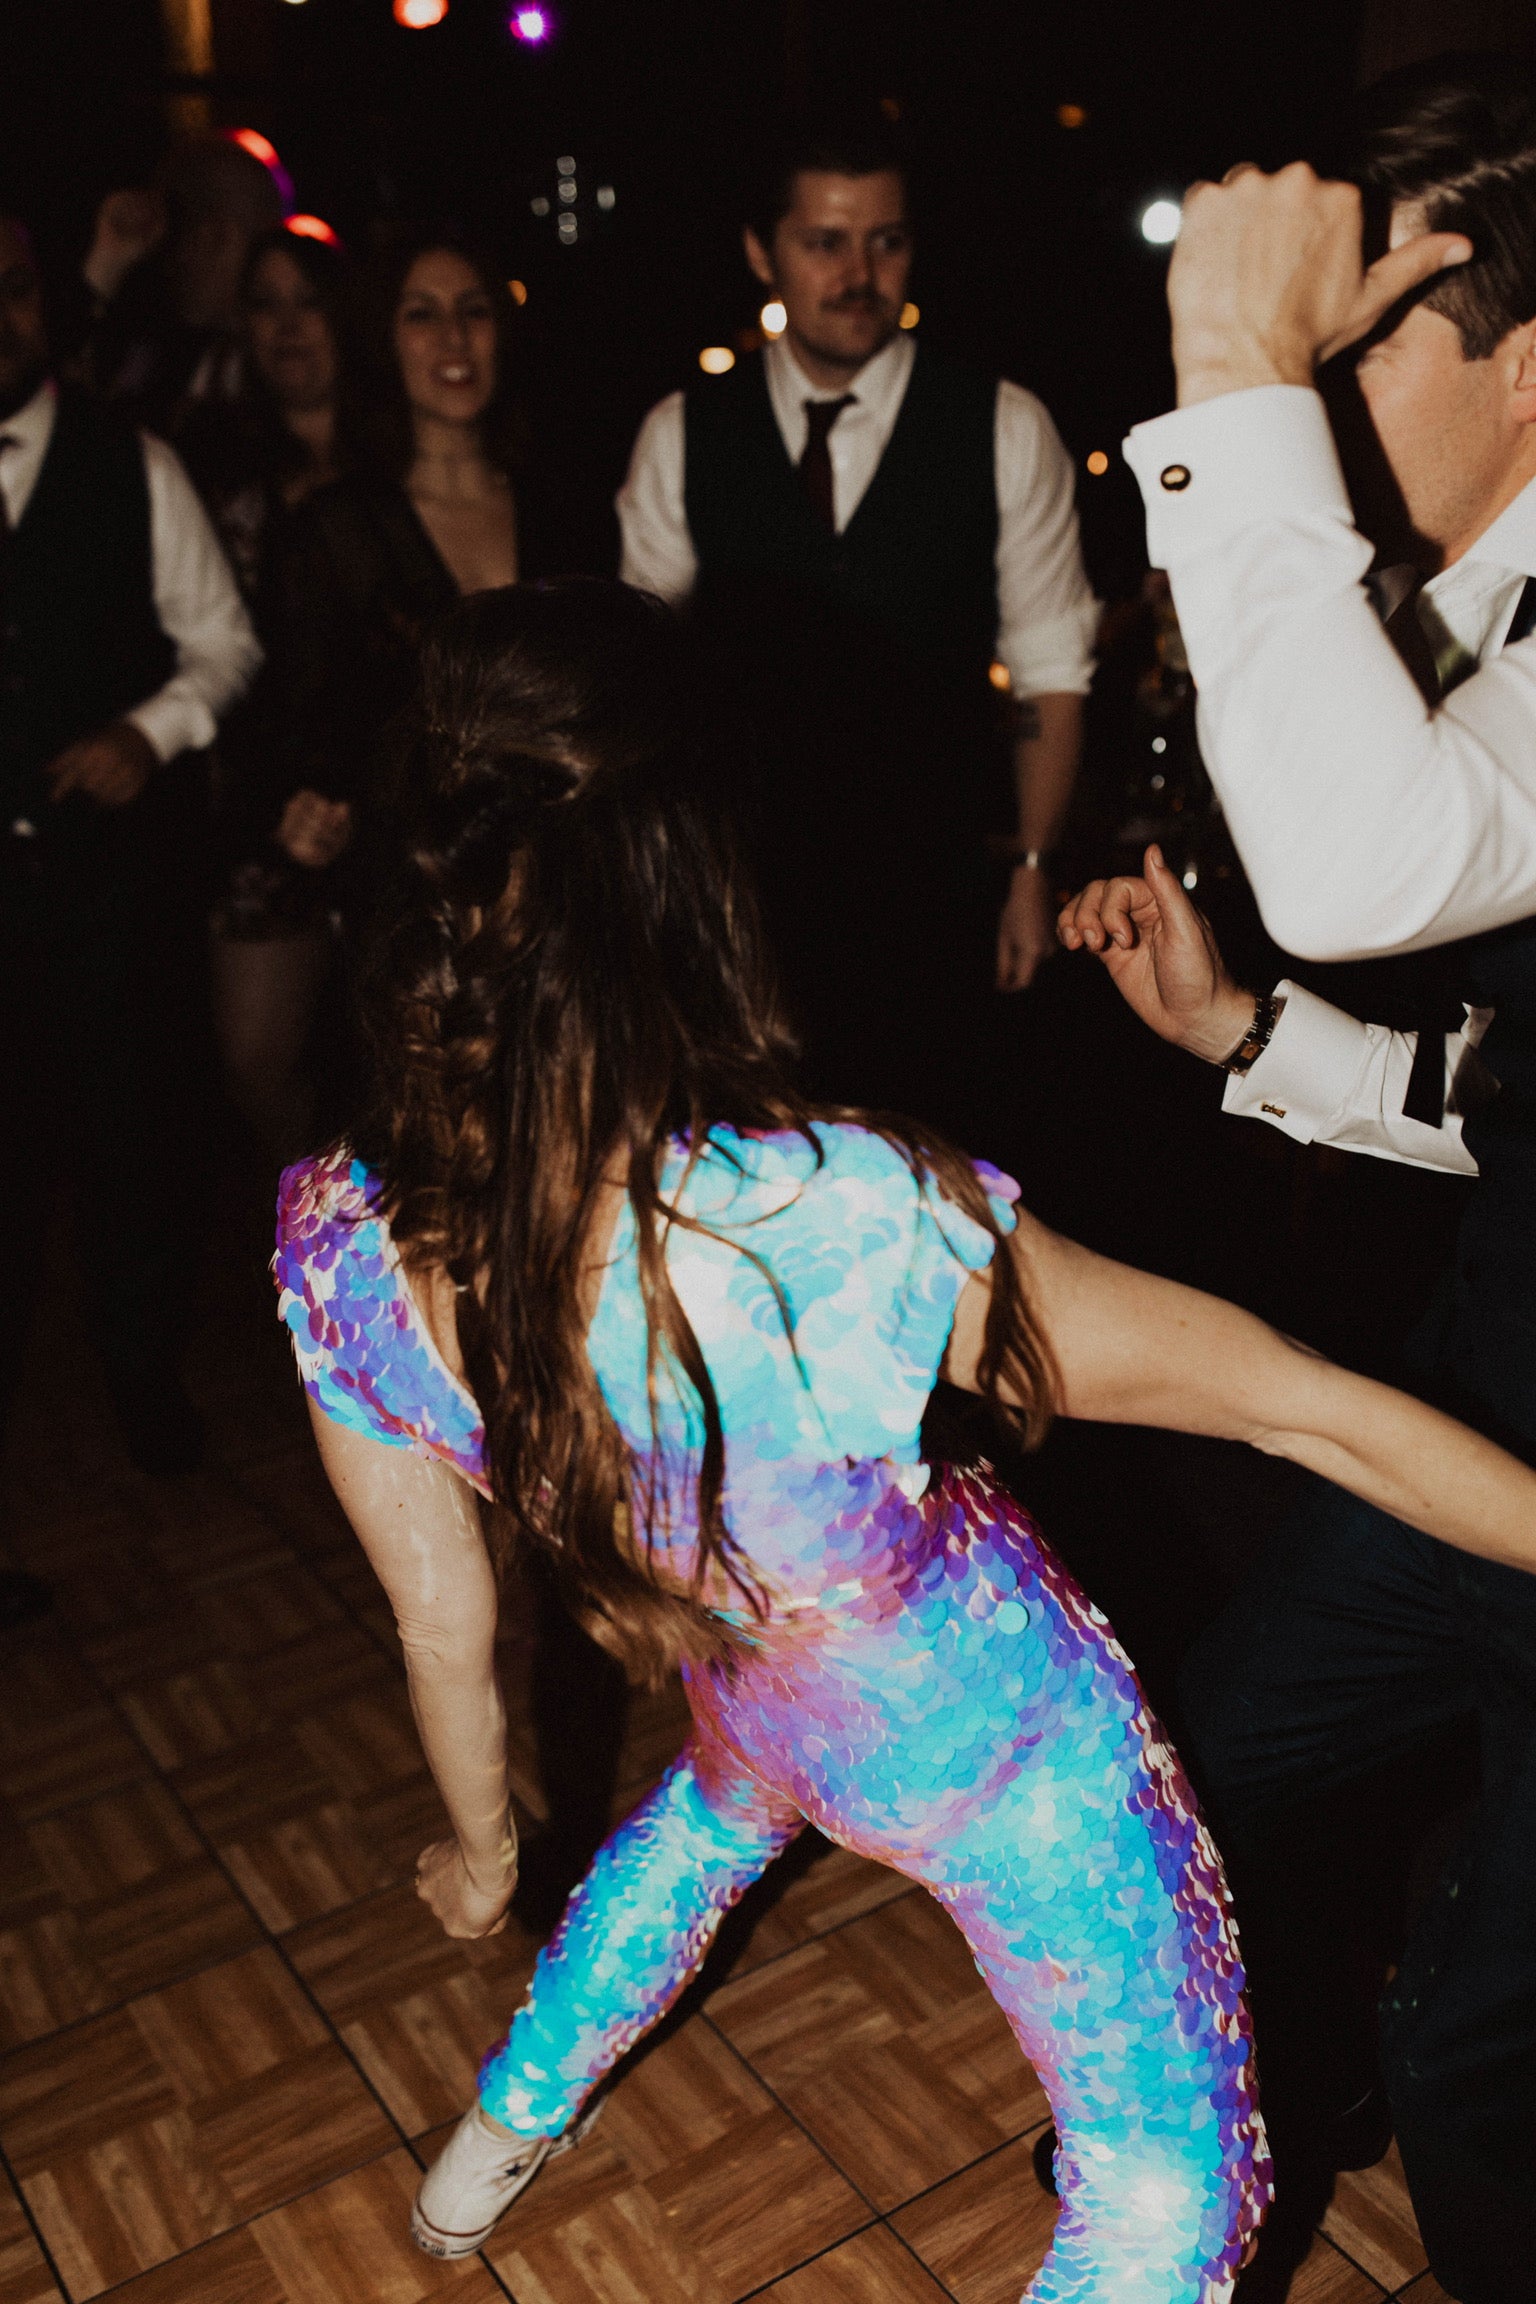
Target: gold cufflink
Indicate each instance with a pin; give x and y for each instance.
(1175, 477)
(1277, 1109)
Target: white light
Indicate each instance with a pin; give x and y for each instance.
(1159, 743)
(773, 319)
(606, 195)
(540, 206)
(1160, 223)
(565, 165)
(567, 229)
(1190, 877)
(717, 359)
(567, 188)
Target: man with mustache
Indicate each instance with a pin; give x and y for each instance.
(865, 527)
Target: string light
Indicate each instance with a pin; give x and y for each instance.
(1098, 463)
(420, 15)
(773, 319)
(910, 316)
(518, 291)
(314, 228)
(717, 359)
(1001, 678)
(1071, 116)
(531, 25)
(263, 149)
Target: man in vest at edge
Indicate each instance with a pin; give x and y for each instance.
(865, 527)
(1359, 1640)
(122, 640)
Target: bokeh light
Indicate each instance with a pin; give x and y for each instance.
(263, 149)
(530, 24)
(1098, 463)
(420, 15)
(1160, 222)
(518, 291)
(314, 228)
(773, 319)
(910, 316)
(1000, 677)
(1071, 116)
(717, 359)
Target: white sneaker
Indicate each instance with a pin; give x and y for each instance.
(475, 2179)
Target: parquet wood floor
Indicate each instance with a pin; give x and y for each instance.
(232, 2035)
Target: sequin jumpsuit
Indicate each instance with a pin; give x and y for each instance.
(931, 1689)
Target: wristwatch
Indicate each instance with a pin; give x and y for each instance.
(1266, 1015)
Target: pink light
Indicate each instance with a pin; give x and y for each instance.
(530, 24)
(263, 149)
(314, 228)
(420, 15)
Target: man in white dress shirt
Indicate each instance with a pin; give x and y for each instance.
(1359, 1639)
(122, 642)
(866, 528)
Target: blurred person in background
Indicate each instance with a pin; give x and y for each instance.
(160, 330)
(124, 643)
(867, 526)
(292, 428)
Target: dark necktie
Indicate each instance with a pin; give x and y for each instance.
(816, 463)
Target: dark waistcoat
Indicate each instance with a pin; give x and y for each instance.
(856, 654)
(80, 643)
(1481, 1334)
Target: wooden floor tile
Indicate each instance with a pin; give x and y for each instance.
(1426, 2290)
(872, 2268)
(184, 1716)
(59, 1741)
(24, 2274)
(692, 2185)
(1326, 2277)
(1372, 2220)
(417, 2010)
(885, 2043)
(148, 2131)
(229, 2270)
(823, 1887)
(350, 2243)
(984, 2234)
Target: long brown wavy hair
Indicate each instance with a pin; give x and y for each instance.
(573, 980)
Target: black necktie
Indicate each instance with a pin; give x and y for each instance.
(816, 463)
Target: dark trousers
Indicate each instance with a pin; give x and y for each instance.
(1359, 1644)
(102, 1062)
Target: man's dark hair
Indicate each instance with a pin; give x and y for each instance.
(844, 144)
(1459, 135)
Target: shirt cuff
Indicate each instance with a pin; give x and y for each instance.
(174, 724)
(1309, 1071)
(1209, 471)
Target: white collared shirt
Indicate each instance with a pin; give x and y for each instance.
(1047, 615)
(196, 598)
(1327, 1077)
(1367, 822)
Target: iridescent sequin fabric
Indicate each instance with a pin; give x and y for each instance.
(930, 1689)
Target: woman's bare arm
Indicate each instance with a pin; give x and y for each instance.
(1132, 1349)
(420, 1527)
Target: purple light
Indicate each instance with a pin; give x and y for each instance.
(530, 24)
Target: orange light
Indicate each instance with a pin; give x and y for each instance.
(518, 291)
(1071, 116)
(717, 359)
(420, 15)
(1001, 678)
(910, 316)
(259, 147)
(891, 107)
(1098, 463)
(314, 228)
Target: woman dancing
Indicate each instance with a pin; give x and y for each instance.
(596, 1259)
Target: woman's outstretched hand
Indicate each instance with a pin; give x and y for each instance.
(468, 1905)
(1163, 957)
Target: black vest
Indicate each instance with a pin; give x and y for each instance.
(861, 659)
(1480, 1338)
(80, 642)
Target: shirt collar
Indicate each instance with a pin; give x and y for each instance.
(878, 386)
(32, 425)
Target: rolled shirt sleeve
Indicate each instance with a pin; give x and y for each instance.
(658, 554)
(1367, 822)
(1326, 1078)
(200, 610)
(1047, 614)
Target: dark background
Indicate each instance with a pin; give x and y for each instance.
(1030, 259)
